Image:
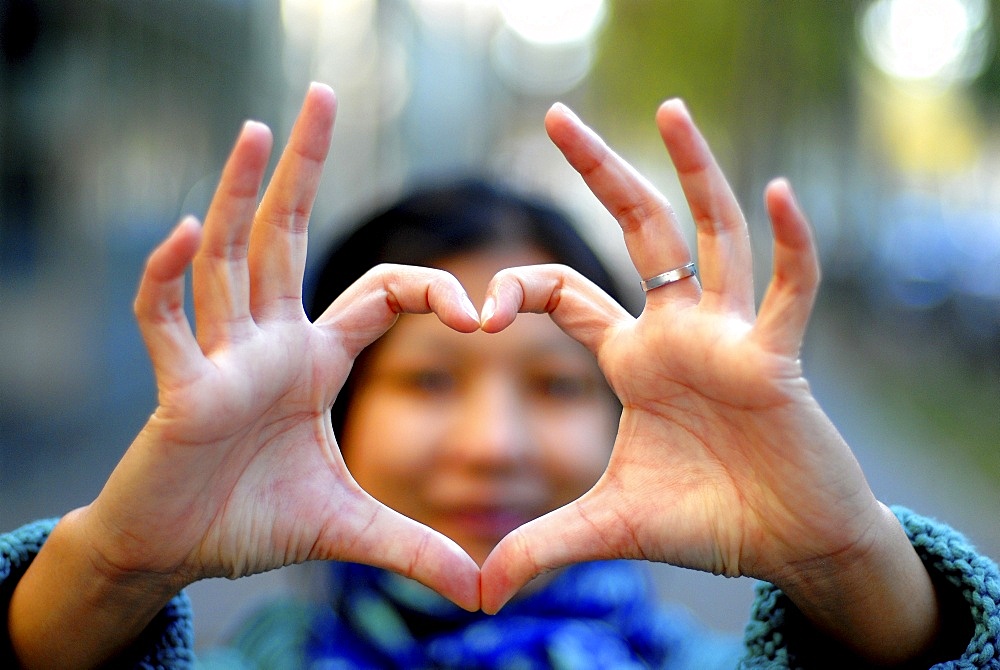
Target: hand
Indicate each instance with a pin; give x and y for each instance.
(238, 471)
(723, 461)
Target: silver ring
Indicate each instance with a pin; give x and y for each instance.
(669, 277)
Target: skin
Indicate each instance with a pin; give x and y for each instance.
(723, 460)
(475, 435)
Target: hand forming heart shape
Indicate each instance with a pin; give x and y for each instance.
(238, 470)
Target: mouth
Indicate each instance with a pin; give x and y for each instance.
(483, 525)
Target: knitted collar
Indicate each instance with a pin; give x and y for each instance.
(598, 614)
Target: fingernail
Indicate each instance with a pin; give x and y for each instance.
(469, 308)
(251, 123)
(320, 86)
(489, 308)
(563, 109)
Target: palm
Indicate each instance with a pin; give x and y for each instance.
(708, 471)
(251, 444)
(238, 470)
(693, 439)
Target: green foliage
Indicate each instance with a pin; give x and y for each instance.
(725, 57)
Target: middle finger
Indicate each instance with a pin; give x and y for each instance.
(723, 239)
(649, 225)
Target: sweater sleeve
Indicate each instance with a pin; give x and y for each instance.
(166, 643)
(777, 635)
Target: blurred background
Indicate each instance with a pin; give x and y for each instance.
(116, 116)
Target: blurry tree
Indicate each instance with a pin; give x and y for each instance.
(738, 64)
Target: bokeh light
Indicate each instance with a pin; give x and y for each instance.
(554, 21)
(943, 40)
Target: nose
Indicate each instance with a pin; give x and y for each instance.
(491, 430)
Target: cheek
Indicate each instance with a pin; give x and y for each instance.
(576, 452)
(387, 450)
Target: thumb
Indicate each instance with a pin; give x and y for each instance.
(378, 535)
(584, 530)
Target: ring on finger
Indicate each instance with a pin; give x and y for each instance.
(669, 277)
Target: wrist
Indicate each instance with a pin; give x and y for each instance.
(74, 608)
(875, 598)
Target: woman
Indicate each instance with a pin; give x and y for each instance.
(722, 459)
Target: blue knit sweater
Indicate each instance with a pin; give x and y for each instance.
(776, 636)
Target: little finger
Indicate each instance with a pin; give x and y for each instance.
(788, 302)
(159, 302)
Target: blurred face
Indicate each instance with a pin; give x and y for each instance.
(475, 434)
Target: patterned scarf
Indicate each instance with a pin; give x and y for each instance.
(592, 615)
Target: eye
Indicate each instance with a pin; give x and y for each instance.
(427, 381)
(562, 386)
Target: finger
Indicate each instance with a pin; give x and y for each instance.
(724, 253)
(159, 302)
(788, 302)
(584, 530)
(278, 238)
(578, 306)
(377, 535)
(650, 227)
(221, 285)
(367, 309)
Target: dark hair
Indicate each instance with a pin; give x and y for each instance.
(436, 222)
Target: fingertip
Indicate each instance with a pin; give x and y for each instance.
(321, 88)
(473, 602)
(563, 110)
(252, 147)
(495, 592)
(674, 105)
(473, 321)
(787, 216)
(189, 230)
(673, 110)
(495, 316)
(565, 128)
(795, 242)
(780, 183)
(189, 224)
(162, 277)
(778, 190)
(447, 298)
(502, 576)
(253, 129)
(558, 119)
(470, 597)
(456, 577)
(172, 255)
(319, 91)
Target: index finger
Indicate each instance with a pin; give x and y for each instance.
(577, 305)
(366, 310)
